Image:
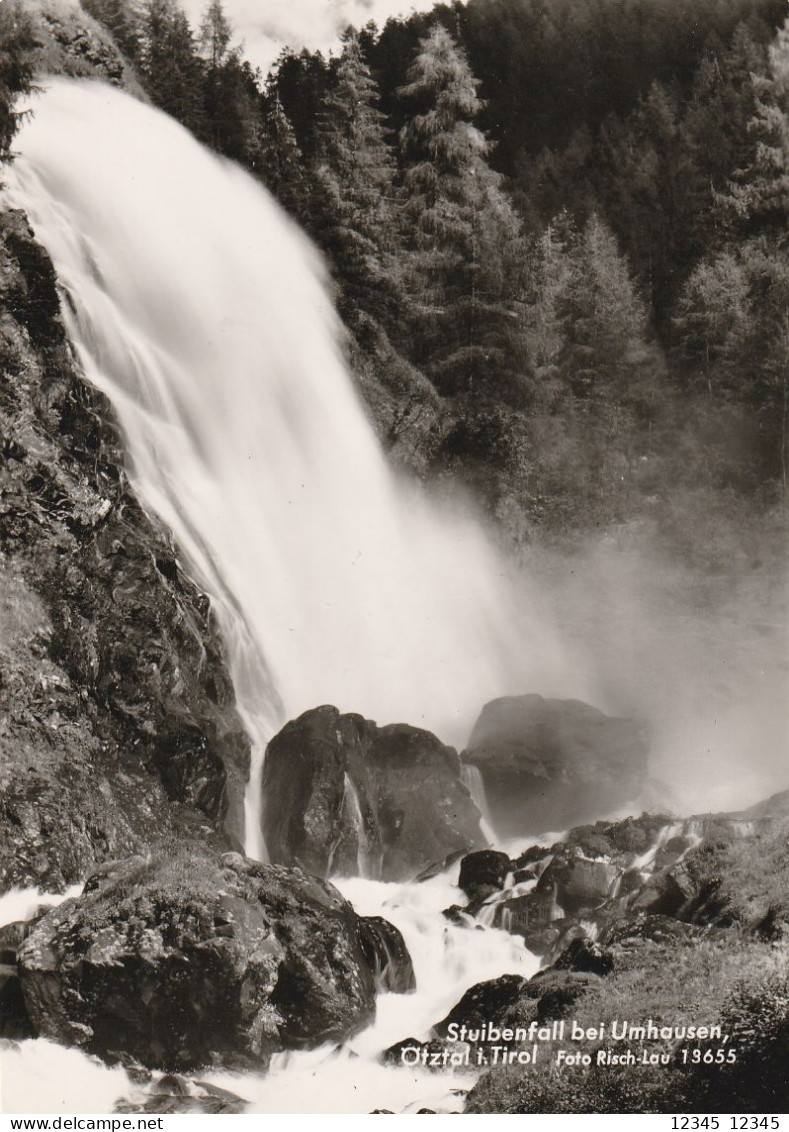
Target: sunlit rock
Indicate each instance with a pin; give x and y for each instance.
(198, 959)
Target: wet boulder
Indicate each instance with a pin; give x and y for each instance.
(510, 1002)
(342, 796)
(387, 956)
(487, 868)
(174, 1094)
(437, 1055)
(549, 764)
(198, 959)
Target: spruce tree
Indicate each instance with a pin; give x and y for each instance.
(613, 373)
(462, 232)
(215, 35)
(714, 140)
(550, 268)
(169, 66)
(733, 325)
(278, 160)
(353, 216)
(16, 71)
(757, 200)
(604, 317)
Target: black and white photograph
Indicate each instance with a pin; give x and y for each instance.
(394, 698)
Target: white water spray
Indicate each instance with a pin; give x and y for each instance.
(201, 311)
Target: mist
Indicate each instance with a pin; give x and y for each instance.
(700, 658)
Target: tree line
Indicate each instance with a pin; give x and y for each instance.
(576, 298)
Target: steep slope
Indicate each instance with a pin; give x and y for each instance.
(119, 726)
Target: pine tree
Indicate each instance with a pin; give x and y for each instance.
(464, 235)
(711, 311)
(215, 35)
(714, 138)
(353, 214)
(636, 178)
(605, 320)
(16, 71)
(616, 375)
(733, 325)
(757, 200)
(550, 267)
(170, 68)
(278, 160)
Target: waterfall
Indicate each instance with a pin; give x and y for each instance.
(471, 777)
(202, 312)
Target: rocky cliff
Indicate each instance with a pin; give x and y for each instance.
(118, 723)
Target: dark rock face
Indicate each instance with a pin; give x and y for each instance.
(387, 956)
(198, 959)
(511, 1001)
(575, 882)
(486, 868)
(549, 764)
(342, 796)
(14, 1019)
(121, 721)
(484, 1002)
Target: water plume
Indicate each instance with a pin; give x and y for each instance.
(203, 313)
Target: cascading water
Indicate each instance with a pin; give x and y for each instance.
(201, 311)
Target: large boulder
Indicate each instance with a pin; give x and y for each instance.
(198, 959)
(549, 764)
(342, 796)
(486, 869)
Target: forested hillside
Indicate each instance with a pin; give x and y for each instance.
(558, 238)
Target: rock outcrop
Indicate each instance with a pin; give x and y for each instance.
(657, 875)
(342, 796)
(118, 715)
(196, 959)
(550, 764)
(68, 41)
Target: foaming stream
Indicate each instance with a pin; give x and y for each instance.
(201, 311)
(447, 961)
(40, 1076)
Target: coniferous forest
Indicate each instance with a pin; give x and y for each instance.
(557, 235)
